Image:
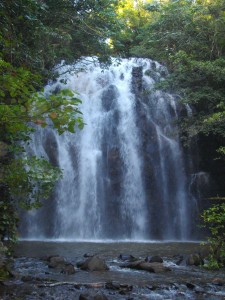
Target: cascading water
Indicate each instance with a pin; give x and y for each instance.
(124, 173)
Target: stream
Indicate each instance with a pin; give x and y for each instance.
(182, 282)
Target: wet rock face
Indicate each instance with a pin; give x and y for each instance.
(51, 148)
(110, 97)
(137, 73)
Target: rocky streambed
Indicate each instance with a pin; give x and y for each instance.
(50, 270)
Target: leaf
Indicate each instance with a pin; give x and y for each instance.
(53, 115)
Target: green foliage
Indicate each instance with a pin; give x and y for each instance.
(191, 26)
(4, 274)
(39, 34)
(214, 219)
(35, 179)
(26, 182)
(20, 104)
(202, 85)
(8, 221)
(188, 36)
(34, 37)
(131, 16)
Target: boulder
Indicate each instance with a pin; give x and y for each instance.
(85, 296)
(189, 260)
(88, 255)
(126, 257)
(68, 269)
(179, 260)
(56, 261)
(133, 265)
(80, 263)
(153, 259)
(94, 264)
(100, 296)
(118, 286)
(218, 281)
(112, 285)
(155, 267)
(190, 285)
(194, 260)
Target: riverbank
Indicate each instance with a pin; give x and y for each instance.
(34, 279)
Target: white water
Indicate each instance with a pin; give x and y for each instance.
(124, 173)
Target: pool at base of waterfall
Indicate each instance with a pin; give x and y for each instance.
(35, 280)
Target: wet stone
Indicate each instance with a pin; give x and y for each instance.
(56, 261)
(218, 281)
(126, 257)
(151, 287)
(199, 290)
(84, 297)
(94, 264)
(194, 260)
(190, 285)
(100, 296)
(89, 255)
(112, 285)
(27, 278)
(80, 263)
(155, 258)
(68, 269)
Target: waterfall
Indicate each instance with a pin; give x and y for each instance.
(124, 174)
